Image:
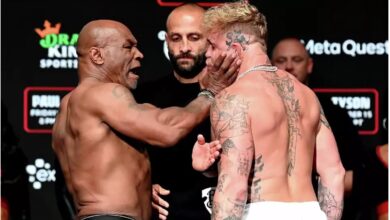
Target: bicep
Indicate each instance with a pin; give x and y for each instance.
(139, 121)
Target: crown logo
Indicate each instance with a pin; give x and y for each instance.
(48, 29)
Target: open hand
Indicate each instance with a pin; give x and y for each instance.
(204, 154)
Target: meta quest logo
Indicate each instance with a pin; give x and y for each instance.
(61, 50)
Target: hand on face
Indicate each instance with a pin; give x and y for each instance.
(221, 72)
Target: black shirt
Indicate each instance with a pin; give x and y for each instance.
(172, 167)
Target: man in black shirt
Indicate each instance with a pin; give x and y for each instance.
(190, 192)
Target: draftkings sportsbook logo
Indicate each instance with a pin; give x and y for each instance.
(40, 172)
(61, 50)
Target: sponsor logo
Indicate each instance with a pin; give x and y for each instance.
(348, 47)
(40, 107)
(61, 50)
(209, 194)
(362, 106)
(40, 172)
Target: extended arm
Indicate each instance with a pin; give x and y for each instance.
(144, 122)
(331, 171)
(231, 126)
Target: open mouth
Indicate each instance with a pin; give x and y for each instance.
(135, 71)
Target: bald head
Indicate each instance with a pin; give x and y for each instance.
(188, 11)
(290, 54)
(187, 43)
(99, 33)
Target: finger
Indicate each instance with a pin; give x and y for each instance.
(161, 211)
(226, 66)
(162, 217)
(218, 62)
(232, 70)
(159, 201)
(201, 139)
(163, 191)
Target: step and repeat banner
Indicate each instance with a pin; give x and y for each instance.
(348, 41)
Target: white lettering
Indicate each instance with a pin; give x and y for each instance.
(59, 63)
(348, 47)
(46, 101)
(352, 102)
(62, 52)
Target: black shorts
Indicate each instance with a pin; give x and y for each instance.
(107, 217)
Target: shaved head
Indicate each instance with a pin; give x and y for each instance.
(98, 33)
(186, 10)
(186, 40)
(291, 55)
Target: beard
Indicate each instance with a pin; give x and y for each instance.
(190, 71)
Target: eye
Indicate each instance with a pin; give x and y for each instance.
(298, 59)
(280, 60)
(175, 38)
(194, 37)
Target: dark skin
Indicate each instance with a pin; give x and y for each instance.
(99, 126)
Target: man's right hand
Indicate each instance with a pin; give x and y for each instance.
(204, 154)
(221, 73)
(158, 203)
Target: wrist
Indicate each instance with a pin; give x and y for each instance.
(207, 93)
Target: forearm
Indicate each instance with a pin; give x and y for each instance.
(230, 198)
(180, 121)
(331, 194)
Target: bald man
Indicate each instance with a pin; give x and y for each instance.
(290, 54)
(97, 130)
(180, 192)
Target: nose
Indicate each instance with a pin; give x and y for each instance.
(139, 55)
(289, 66)
(185, 46)
(208, 52)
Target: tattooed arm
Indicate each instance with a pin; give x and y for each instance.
(331, 171)
(231, 126)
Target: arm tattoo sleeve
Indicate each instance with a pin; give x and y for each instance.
(332, 208)
(230, 125)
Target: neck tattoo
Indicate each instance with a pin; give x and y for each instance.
(267, 68)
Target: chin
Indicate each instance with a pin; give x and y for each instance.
(132, 85)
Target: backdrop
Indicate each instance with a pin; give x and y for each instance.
(348, 41)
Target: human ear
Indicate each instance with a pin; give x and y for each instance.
(96, 55)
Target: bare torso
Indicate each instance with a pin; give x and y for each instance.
(284, 118)
(104, 172)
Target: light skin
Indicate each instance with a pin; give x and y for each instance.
(96, 133)
(187, 44)
(290, 54)
(268, 124)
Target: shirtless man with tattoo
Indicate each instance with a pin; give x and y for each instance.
(271, 127)
(98, 130)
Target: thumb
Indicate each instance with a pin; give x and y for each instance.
(201, 139)
(162, 191)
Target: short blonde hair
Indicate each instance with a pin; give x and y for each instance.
(240, 14)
